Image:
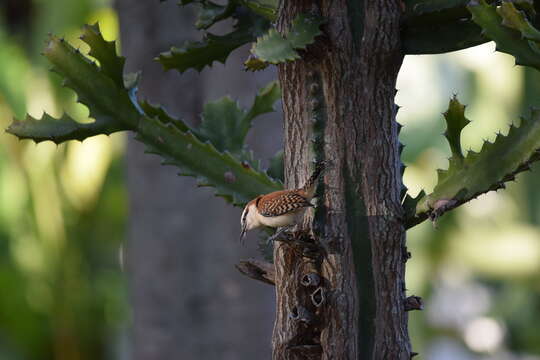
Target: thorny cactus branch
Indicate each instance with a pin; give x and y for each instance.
(274, 47)
(433, 27)
(199, 54)
(477, 172)
(509, 29)
(237, 178)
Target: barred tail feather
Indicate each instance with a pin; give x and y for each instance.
(309, 187)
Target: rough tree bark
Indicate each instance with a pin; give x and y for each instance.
(338, 105)
(188, 300)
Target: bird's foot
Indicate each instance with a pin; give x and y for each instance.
(280, 235)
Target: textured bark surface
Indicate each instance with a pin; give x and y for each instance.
(338, 105)
(189, 302)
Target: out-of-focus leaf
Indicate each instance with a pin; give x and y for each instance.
(13, 67)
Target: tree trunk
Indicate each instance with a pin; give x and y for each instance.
(338, 105)
(189, 302)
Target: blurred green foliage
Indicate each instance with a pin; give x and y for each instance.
(62, 210)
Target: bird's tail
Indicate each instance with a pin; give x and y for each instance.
(309, 187)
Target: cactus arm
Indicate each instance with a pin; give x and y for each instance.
(455, 122)
(441, 37)
(428, 11)
(60, 130)
(237, 179)
(515, 19)
(276, 169)
(110, 63)
(478, 172)
(507, 39)
(210, 13)
(156, 111)
(221, 121)
(226, 125)
(200, 54)
(263, 102)
(265, 8)
(433, 27)
(438, 11)
(276, 48)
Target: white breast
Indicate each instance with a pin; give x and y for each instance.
(281, 220)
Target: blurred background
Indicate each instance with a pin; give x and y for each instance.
(73, 244)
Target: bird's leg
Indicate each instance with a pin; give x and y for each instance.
(277, 235)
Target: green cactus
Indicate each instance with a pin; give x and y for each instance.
(276, 170)
(437, 38)
(156, 111)
(265, 8)
(236, 181)
(498, 25)
(211, 13)
(272, 47)
(200, 54)
(237, 177)
(276, 48)
(477, 172)
(433, 27)
(62, 129)
(225, 125)
(422, 11)
(515, 19)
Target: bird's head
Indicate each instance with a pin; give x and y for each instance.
(249, 218)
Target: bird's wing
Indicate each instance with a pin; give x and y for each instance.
(281, 203)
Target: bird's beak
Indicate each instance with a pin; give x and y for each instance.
(243, 233)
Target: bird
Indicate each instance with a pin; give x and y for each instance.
(280, 209)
